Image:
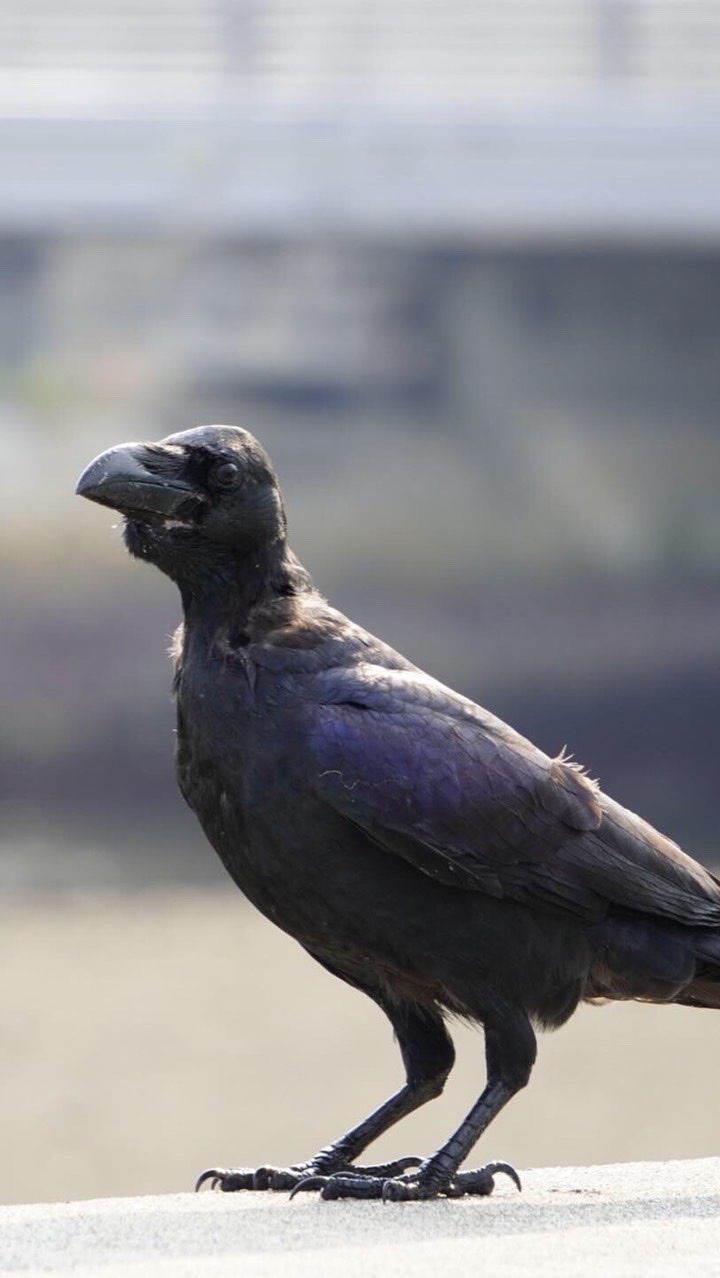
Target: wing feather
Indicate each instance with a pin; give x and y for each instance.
(453, 790)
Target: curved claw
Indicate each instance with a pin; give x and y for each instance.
(508, 1170)
(307, 1183)
(215, 1174)
(480, 1182)
(228, 1179)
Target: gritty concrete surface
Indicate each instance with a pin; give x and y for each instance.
(628, 1219)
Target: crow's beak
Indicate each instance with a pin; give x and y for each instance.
(126, 478)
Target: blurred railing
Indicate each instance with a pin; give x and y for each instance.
(444, 49)
(503, 120)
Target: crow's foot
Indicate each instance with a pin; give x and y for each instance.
(405, 1188)
(230, 1180)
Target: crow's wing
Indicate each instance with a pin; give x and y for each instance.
(442, 783)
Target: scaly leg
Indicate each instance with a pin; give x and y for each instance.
(510, 1054)
(428, 1056)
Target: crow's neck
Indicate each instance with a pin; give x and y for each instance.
(228, 593)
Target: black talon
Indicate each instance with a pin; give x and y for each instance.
(227, 1179)
(215, 1174)
(307, 1183)
(508, 1170)
(479, 1182)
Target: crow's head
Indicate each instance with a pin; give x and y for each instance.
(193, 501)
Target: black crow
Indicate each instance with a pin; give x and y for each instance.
(414, 844)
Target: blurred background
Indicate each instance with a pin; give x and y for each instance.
(458, 265)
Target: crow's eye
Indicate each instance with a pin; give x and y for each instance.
(226, 475)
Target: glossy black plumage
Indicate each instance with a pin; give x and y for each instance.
(415, 845)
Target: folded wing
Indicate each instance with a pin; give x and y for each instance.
(431, 777)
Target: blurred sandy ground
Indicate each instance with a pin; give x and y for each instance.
(145, 1037)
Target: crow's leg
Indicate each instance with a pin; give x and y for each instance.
(510, 1055)
(428, 1056)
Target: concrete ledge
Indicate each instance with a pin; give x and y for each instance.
(630, 1219)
